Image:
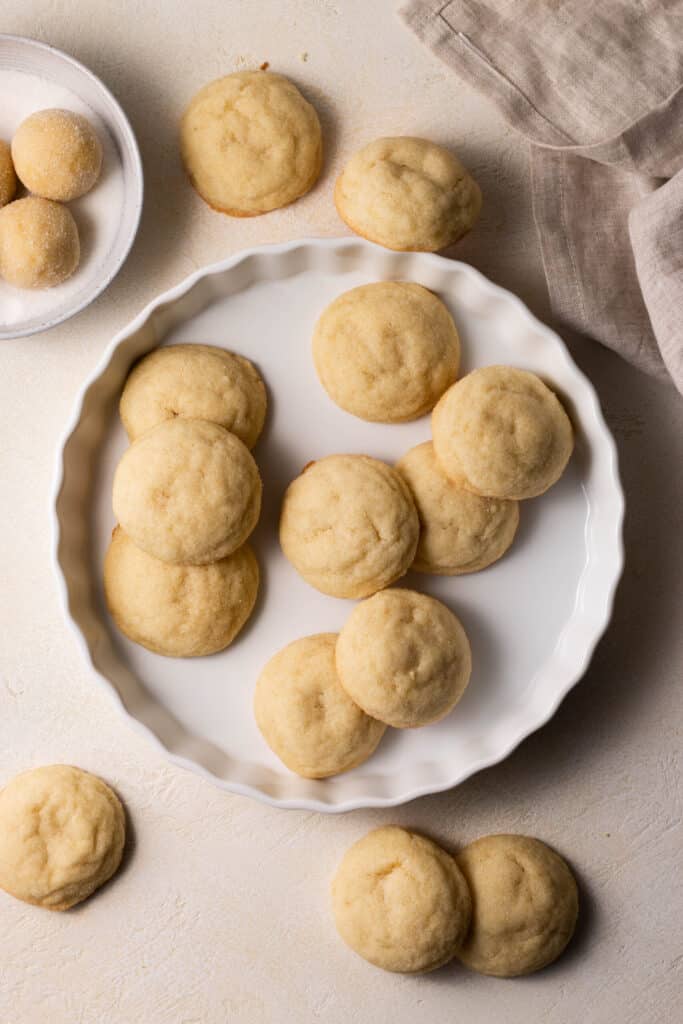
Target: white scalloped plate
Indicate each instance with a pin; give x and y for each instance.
(533, 619)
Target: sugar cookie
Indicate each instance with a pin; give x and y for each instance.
(57, 154)
(501, 432)
(305, 715)
(349, 525)
(400, 901)
(187, 492)
(62, 832)
(386, 352)
(8, 179)
(39, 245)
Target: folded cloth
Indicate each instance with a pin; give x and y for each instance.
(597, 89)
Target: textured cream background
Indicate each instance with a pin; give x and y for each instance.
(221, 913)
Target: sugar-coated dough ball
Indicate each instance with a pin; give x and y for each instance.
(8, 179)
(460, 531)
(305, 715)
(39, 245)
(501, 432)
(62, 832)
(404, 658)
(400, 901)
(524, 905)
(386, 352)
(251, 143)
(182, 611)
(348, 525)
(187, 492)
(407, 194)
(57, 154)
(196, 382)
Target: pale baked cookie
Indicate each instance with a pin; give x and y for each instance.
(460, 531)
(305, 715)
(386, 352)
(8, 179)
(196, 382)
(404, 658)
(182, 611)
(524, 905)
(62, 832)
(57, 154)
(400, 901)
(39, 244)
(501, 432)
(251, 143)
(348, 525)
(187, 492)
(407, 194)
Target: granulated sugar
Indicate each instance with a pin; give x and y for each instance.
(97, 214)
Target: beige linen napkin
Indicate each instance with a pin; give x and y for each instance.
(597, 88)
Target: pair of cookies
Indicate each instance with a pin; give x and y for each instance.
(506, 905)
(179, 578)
(322, 704)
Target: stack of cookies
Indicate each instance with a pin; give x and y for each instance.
(179, 577)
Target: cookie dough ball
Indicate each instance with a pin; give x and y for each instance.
(62, 832)
(349, 525)
(404, 658)
(196, 382)
(524, 905)
(460, 532)
(39, 245)
(250, 143)
(57, 154)
(187, 492)
(305, 715)
(182, 611)
(502, 433)
(400, 901)
(407, 194)
(8, 179)
(386, 352)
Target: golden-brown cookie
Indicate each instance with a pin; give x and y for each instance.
(57, 154)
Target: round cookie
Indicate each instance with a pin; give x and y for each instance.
(187, 492)
(524, 905)
(251, 143)
(502, 433)
(348, 525)
(407, 194)
(8, 179)
(39, 245)
(404, 658)
(460, 531)
(386, 352)
(305, 715)
(400, 901)
(182, 611)
(62, 832)
(196, 382)
(57, 154)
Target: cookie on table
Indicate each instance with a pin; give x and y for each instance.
(57, 154)
(348, 525)
(400, 901)
(386, 352)
(39, 243)
(407, 194)
(62, 832)
(195, 382)
(251, 143)
(503, 433)
(8, 178)
(306, 716)
(460, 532)
(524, 905)
(182, 611)
(187, 492)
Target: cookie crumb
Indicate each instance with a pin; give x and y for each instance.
(265, 65)
(303, 57)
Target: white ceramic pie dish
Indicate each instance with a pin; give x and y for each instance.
(533, 619)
